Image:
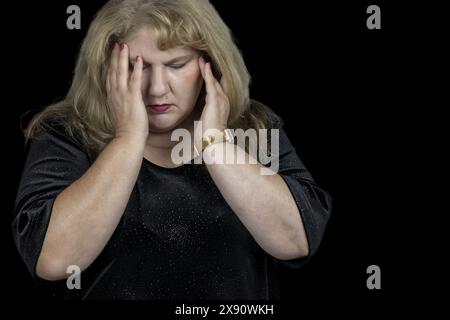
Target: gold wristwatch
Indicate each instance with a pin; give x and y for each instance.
(225, 135)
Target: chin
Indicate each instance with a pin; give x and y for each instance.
(162, 125)
(160, 128)
(165, 123)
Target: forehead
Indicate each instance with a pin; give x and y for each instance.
(143, 42)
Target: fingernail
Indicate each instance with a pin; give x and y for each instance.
(122, 45)
(113, 45)
(137, 59)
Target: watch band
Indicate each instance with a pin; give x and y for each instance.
(225, 135)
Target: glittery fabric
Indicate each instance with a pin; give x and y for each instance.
(177, 239)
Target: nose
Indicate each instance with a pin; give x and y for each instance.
(158, 85)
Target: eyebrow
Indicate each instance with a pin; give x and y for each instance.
(171, 61)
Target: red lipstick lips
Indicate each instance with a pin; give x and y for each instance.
(160, 108)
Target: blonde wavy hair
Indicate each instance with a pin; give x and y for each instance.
(191, 23)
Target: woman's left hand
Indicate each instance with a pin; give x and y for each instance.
(217, 106)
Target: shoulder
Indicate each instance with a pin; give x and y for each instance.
(58, 127)
(56, 134)
(263, 111)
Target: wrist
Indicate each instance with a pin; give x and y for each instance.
(130, 133)
(214, 136)
(135, 139)
(215, 153)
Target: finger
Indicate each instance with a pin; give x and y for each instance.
(221, 96)
(108, 71)
(224, 84)
(108, 82)
(136, 76)
(202, 66)
(122, 72)
(219, 88)
(112, 72)
(209, 80)
(210, 74)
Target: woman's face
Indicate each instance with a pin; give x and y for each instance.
(169, 77)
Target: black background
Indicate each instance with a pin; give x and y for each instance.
(344, 92)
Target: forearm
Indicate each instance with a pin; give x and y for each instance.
(263, 203)
(86, 213)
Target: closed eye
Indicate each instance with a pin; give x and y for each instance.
(178, 66)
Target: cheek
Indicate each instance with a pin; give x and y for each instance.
(188, 81)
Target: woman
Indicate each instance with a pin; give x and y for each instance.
(101, 190)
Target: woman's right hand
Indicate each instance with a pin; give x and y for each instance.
(124, 94)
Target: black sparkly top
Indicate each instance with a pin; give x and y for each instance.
(177, 239)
